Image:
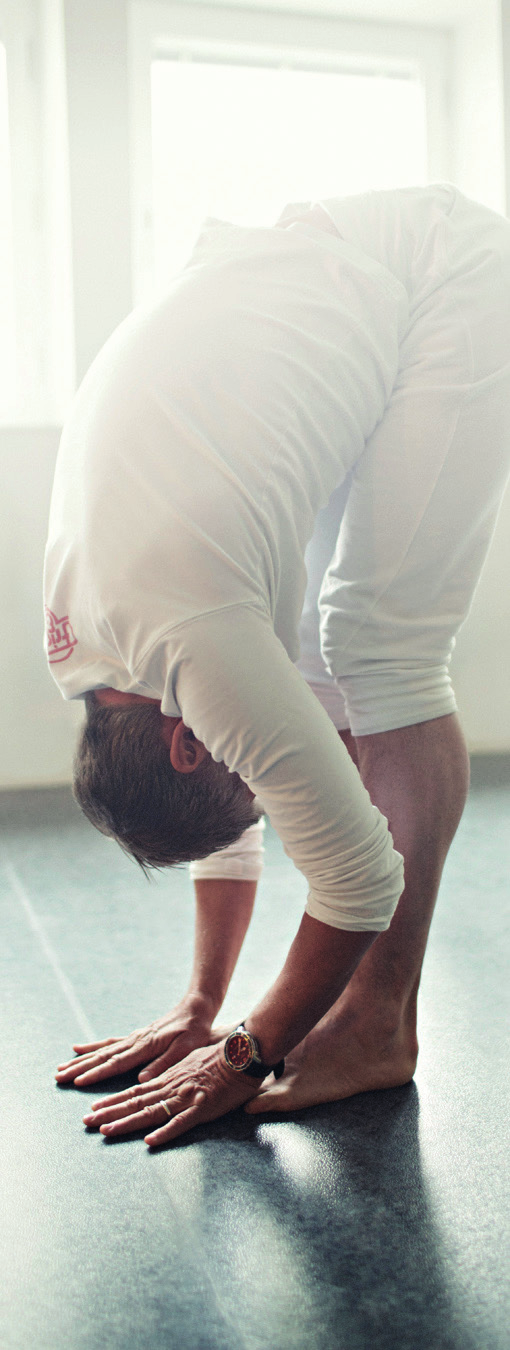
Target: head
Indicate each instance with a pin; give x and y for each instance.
(143, 779)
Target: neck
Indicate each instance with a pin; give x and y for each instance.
(116, 697)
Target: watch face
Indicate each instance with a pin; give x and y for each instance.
(239, 1050)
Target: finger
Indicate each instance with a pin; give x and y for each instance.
(72, 1072)
(118, 1063)
(83, 1062)
(117, 1110)
(127, 1093)
(178, 1125)
(101, 1051)
(96, 1045)
(82, 1059)
(150, 1116)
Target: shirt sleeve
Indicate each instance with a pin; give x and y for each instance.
(242, 861)
(244, 699)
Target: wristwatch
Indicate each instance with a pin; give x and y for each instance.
(242, 1053)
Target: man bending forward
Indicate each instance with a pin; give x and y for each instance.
(337, 383)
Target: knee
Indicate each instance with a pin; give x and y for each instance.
(418, 775)
(387, 694)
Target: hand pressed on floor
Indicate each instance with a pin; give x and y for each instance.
(200, 1088)
(158, 1046)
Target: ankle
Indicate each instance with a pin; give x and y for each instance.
(377, 1015)
(372, 1019)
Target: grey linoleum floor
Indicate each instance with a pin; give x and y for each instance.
(378, 1223)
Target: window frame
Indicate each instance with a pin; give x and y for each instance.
(157, 29)
(53, 147)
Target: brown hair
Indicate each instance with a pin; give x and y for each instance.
(126, 786)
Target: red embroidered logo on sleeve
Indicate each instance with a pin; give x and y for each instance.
(61, 639)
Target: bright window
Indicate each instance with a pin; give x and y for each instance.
(236, 111)
(240, 140)
(36, 337)
(7, 312)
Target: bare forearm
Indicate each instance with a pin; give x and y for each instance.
(318, 967)
(223, 911)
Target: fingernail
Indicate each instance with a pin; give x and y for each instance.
(87, 1119)
(106, 1129)
(142, 1077)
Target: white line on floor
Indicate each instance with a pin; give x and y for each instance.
(36, 926)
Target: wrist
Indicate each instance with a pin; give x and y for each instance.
(273, 1046)
(202, 1003)
(243, 1054)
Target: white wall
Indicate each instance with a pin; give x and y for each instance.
(481, 661)
(37, 727)
(505, 67)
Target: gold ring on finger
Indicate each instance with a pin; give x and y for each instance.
(165, 1108)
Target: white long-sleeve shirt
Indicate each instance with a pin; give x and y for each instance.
(207, 434)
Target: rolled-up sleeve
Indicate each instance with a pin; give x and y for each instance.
(242, 861)
(244, 699)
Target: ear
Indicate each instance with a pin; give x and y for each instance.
(186, 753)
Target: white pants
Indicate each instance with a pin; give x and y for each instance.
(414, 523)
(396, 555)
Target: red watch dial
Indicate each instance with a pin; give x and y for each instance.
(239, 1051)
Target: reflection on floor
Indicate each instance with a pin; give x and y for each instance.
(372, 1224)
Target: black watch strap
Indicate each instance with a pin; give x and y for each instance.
(259, 1070)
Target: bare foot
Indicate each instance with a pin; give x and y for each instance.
(337, 1059)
